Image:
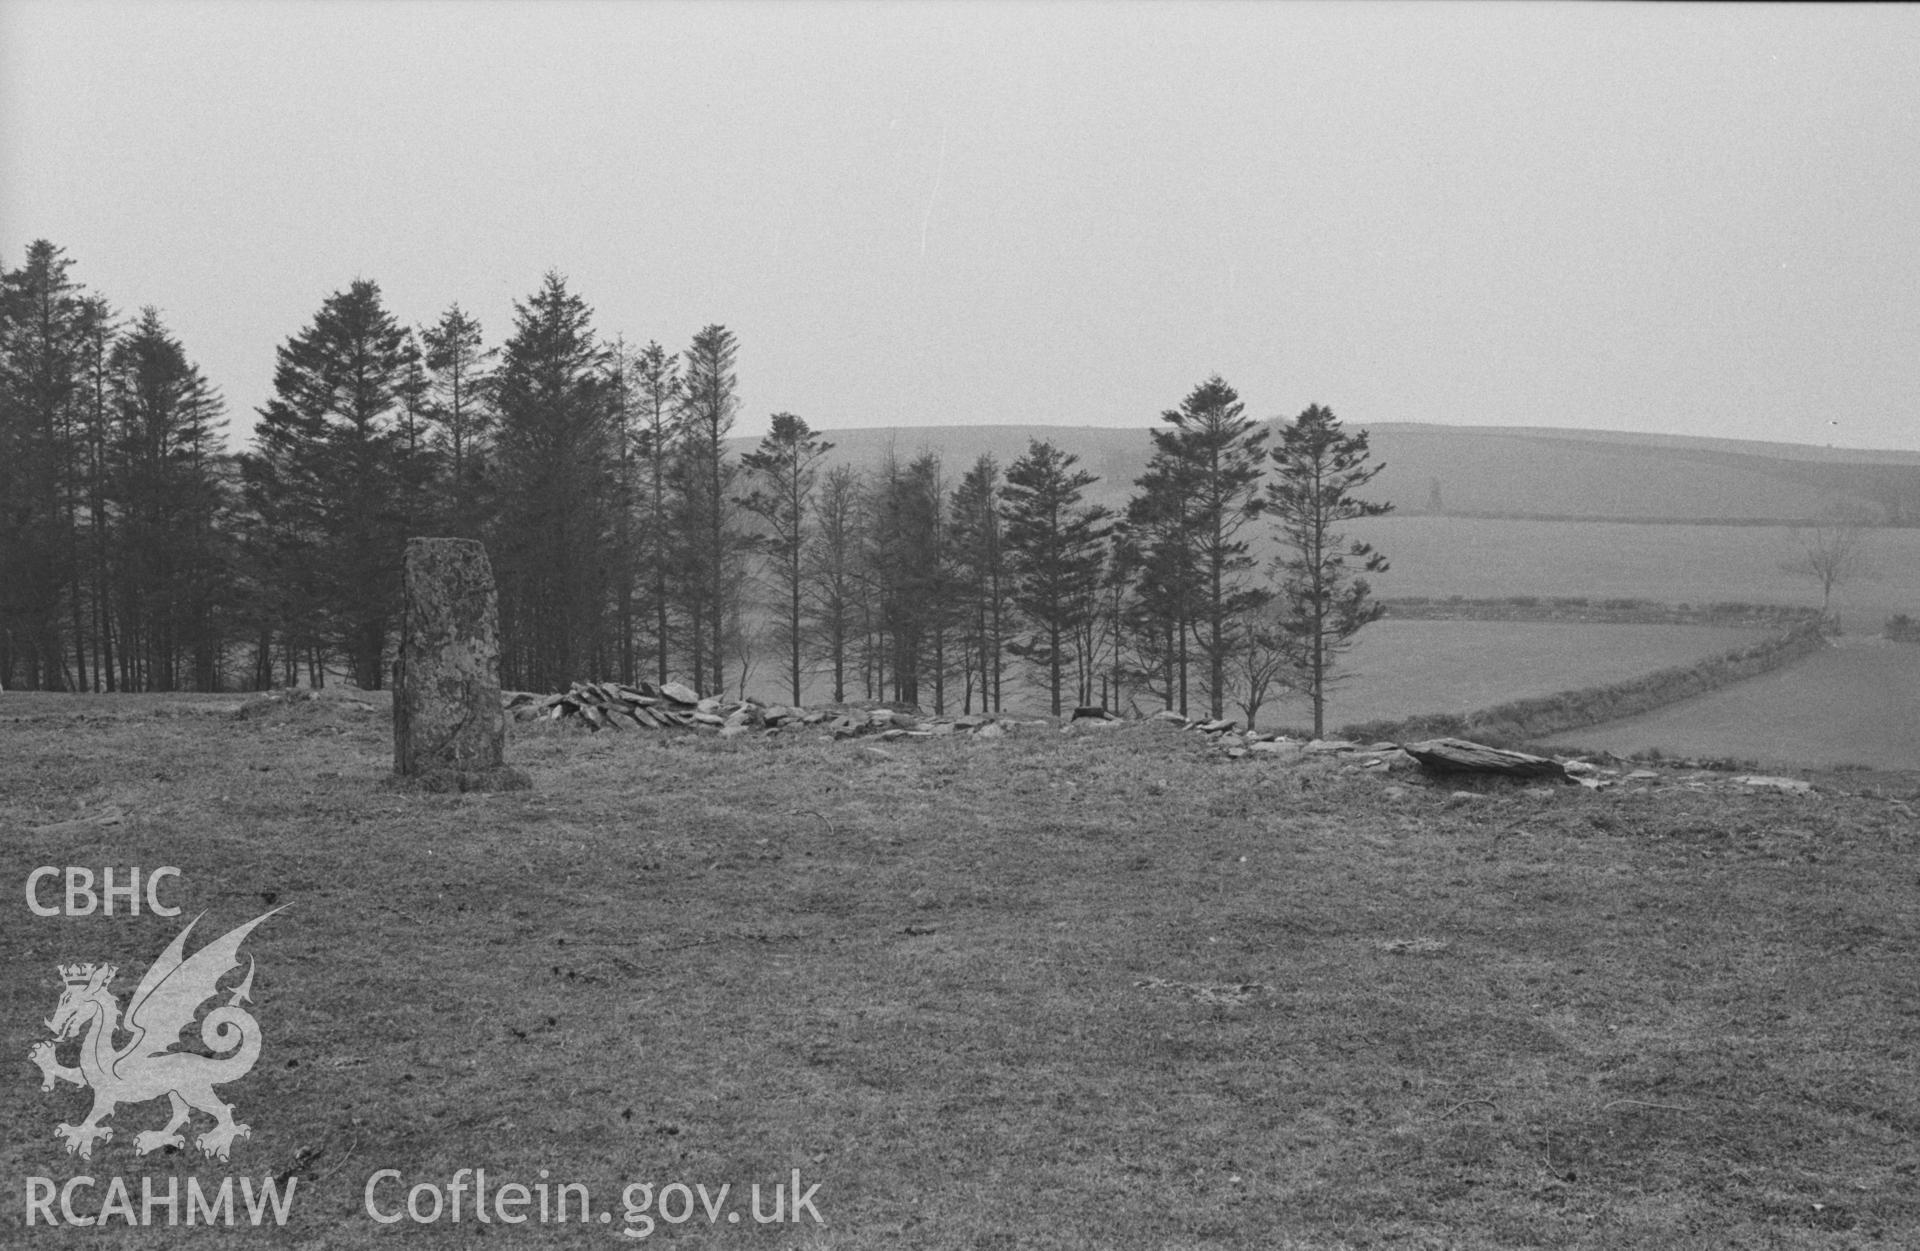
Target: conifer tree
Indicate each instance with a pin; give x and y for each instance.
(1113, 631)
(417, 463)
(43, 336)
(170, 565)
(1160, 528)
(1201, 489)
(713, 543)
(785, 469)
(98, 435)
(625, 570)
(1055, 543)
(1325, 600)
(656, 385)
(331, 476)
(556, 453)
(905, 566)
(459, 402)
(1220, 452)
(981, 581)
(834, 572)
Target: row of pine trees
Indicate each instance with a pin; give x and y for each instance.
(628, 539)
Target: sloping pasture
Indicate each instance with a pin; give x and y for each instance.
(1412, 667)
(1855, 705)
(1400, 668)
(1441, 556)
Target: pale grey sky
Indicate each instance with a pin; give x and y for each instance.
(1698, 220)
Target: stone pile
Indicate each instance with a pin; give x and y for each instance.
(614, 706)
(887, 724)
(1238, 744)
(610, 705)
(1687, 774)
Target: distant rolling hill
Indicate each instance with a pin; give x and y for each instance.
(1499, 471)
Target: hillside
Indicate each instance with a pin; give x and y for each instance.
(1502, 471)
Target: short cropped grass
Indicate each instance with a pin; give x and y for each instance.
(1405, 668)
(1060, 990)
(1852, 704)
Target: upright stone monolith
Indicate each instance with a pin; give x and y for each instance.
(449, 730)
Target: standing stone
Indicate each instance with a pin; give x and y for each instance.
(449, 729)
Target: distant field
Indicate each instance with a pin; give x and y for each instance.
(1405, 668)
(1532, 471)
(1550, 472)
(1849, 705)
(1676, 564)
(1485, 470)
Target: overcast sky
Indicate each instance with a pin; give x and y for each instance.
(1698, 220)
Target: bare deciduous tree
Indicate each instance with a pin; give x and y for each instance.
(1831, 552)
(1267, 655)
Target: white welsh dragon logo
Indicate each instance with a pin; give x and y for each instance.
(147, 1067)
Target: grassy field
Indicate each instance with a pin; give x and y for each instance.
(1480, 469)
(1402, 668)
(1854, 704)
(1674, 564)
(1051, 991)
(1408, 668)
